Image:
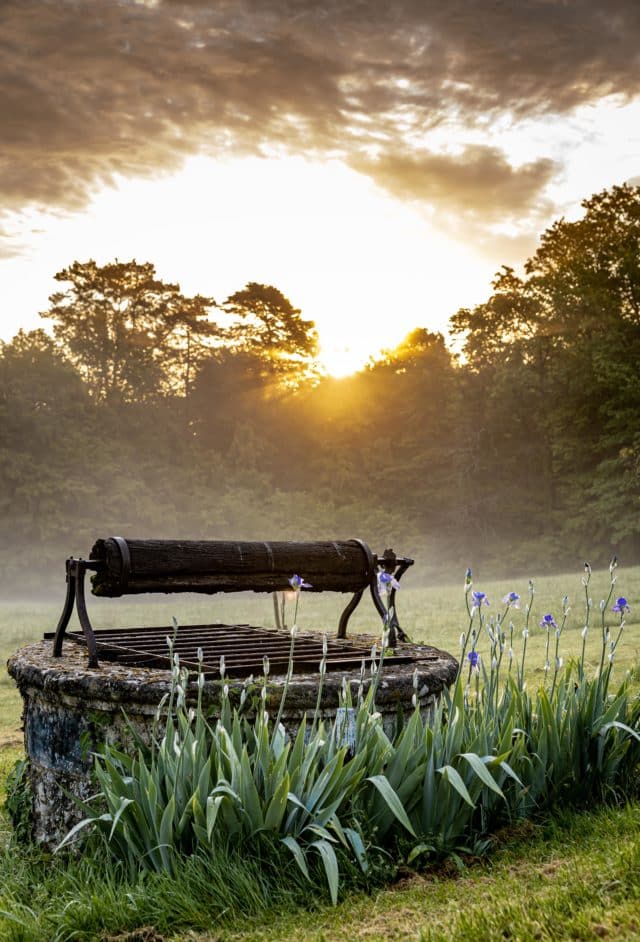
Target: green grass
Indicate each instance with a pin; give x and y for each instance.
(575, 877)
(61, 898)
(434, 615)
(9, 755)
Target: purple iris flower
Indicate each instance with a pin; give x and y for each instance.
(386, 582)
(479, 598)
(297, 583)
(474, 657)
(512, 599)
(621, 605)
(548, 621)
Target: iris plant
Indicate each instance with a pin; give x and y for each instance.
(548, 621)
(386, 582)
(621, 606)
(512, 599)
(479, 598)
(297, 583)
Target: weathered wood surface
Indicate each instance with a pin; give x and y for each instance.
(229, 566)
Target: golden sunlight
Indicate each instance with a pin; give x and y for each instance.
(365, 267)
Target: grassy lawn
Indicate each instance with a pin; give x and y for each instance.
(577, 877)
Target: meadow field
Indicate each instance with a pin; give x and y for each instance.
(574, 875)
(434, 615)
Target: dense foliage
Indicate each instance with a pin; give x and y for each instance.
(149, 413)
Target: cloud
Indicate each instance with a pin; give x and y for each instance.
(93, 88)
(10, 243)
(478, 182)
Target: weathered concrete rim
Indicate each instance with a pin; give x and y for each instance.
(70, 710)
(34, 667)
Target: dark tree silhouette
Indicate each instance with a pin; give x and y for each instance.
(130, 335)
(269, 327)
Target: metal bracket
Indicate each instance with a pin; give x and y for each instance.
(353, 603)
(75, 570)
(346, 615)
(396, 566)
(125, 556)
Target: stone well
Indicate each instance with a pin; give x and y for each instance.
(69, 709)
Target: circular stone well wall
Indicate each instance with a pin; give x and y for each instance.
(70, 709)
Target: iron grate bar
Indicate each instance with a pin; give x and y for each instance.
(242, 646)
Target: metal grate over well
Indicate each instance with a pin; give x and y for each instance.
(243, 647)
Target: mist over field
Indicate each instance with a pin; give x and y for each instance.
(148, 413)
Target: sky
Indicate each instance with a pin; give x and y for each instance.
(376, 161)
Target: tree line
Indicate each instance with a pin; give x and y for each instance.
(146, 412)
